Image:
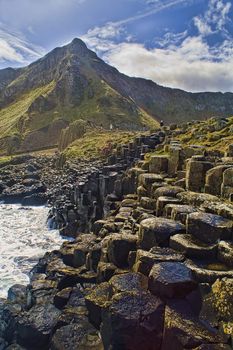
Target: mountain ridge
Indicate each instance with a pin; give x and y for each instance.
(72, 82)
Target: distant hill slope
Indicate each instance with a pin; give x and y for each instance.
(71, 83)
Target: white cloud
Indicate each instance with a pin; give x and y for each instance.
(14, 48)
(103, 38)
(179, 60)
(190, 66)
(215, 18)
(171, 38)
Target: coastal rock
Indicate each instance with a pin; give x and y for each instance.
(183, 330)
(134, 321)
(171, 280)
(157, 231)
(118, 249)
(145, 260)
(209, 228)
(76, 337)
(35, 326)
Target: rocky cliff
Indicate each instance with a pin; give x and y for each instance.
(72, 82)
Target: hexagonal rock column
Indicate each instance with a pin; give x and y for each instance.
(174, 161)
(119, 247)
(76, 336)
(180, 212)
(214, 178)
(209, 228)
(145, 260)
(147, 180)
(134, 321)
(128, 282)
(196, 172)
(230, 151)
(191, 247)
(163, 201)
(158, 164)
(225, 253)
(227, 184)
(35, 326)
(169, 191)
(157, 232)
(171, 280)
(96, 300)
(183, 330)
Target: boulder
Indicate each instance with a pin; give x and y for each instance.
(18, 294)
(171, 280)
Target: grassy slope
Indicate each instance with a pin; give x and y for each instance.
(202, 134)
(93, 143)
(118, 110)
(10, 116)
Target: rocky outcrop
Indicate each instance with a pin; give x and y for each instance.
(74, 131)
(153, 271)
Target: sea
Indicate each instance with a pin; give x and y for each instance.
(24, 238)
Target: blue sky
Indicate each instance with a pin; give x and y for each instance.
(186, 44)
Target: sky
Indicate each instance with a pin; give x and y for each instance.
(186, 44)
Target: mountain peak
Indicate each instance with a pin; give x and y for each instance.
(77, 46)
(78, 42)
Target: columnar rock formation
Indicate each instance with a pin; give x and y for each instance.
(154, 272)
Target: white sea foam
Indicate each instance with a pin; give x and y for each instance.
(24, 238)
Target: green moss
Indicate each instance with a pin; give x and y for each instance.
(97, 144)
(5, 159)
(212, 140)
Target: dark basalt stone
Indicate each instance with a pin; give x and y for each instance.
(209, 228)
(35, 326)
(134, 321)
(171, 280)
(76, 337)
(183, 330)
(157, 231)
